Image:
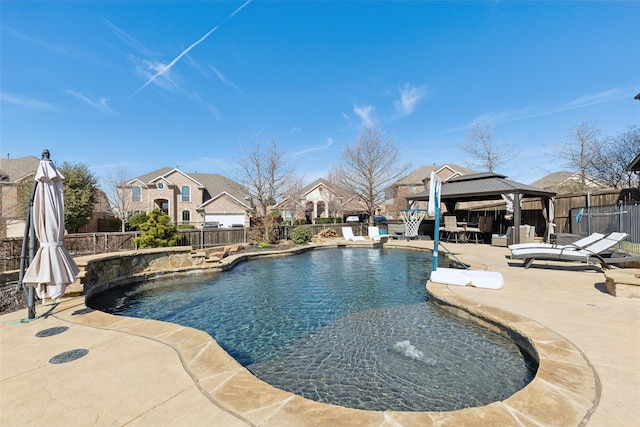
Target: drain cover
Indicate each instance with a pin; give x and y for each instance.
(52, 331)
(68, 356)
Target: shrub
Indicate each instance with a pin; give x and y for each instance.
(157, 231)
(301, 234)
(137, 219)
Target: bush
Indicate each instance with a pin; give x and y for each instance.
(137, 219)
(301, 234)
(157, 231)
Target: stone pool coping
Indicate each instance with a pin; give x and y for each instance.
(564, 392)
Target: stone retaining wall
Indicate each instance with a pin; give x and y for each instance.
(103, 271)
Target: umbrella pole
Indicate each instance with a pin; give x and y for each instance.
(29, 241)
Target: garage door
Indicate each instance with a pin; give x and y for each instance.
(225, 220)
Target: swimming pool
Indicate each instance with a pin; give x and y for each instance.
(344, 326)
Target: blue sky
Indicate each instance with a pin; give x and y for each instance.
(145, 84)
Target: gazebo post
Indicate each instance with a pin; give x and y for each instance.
(517, 218)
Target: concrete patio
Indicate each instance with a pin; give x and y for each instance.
(147, 373)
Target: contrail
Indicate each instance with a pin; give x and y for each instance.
(184, 52)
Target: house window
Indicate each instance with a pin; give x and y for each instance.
(160, 186)
(186, 193)
(186, 217)
(412, 189)
(136, 194)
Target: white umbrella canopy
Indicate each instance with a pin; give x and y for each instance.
(52, 268)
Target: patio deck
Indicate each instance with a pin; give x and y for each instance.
(143, 372)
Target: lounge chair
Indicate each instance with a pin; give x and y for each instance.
(374, 233)
(347, 233)
(595, 250)
(578, 244)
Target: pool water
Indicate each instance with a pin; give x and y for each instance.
(347, 326)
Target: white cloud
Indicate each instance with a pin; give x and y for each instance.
(214, 112)
(164, 69)
(100, 104)
(409, 97)
(365, 113)
(26, 102)
(530, 112)
(295, 130)
(224, 80)
(328, 143)
(158, 73)
(130, 41)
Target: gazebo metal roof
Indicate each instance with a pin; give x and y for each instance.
(482, 186)
(488, 186)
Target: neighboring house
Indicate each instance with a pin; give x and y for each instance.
(568, 182)
(102, 214)
(16, 178)
(415, 182)
(321, 199)
(16, 186)
(191, 199)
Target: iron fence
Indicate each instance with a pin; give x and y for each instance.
(622, 217)
(83, 244)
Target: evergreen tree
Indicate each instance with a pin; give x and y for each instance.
(79, 195)
(157, 231)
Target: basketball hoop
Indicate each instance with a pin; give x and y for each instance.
(412, 219)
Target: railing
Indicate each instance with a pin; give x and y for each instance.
(623, 217)
(95, 243)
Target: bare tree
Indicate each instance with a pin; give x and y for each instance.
(612, 156)
(368, 166)
(486, 153)
(118, 193)
(265, 172)
(579, 150)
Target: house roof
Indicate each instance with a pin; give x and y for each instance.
(217, 184)
(15, 170)
(214, 183)
(341, 192)
(557, 180)
(482, 186)
(418, 175)
(634, 166)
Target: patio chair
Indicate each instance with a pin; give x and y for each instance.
(595, 250)
(488, 224)
(578, 244)
(475, 233)
(451, 229)
(347, 233)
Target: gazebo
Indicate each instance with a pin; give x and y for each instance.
(492, 186)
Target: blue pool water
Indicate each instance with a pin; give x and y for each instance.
(345, 326)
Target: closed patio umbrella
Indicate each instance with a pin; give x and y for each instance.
(52, 268)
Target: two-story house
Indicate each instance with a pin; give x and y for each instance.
(16, 184)
(415, 182)
(191, 199)
(321, 199)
